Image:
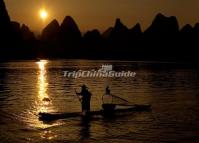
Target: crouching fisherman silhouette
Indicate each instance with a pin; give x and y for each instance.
(85, 98)
(108, 105)
(107, 91)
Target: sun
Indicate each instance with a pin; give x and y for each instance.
(43, 14)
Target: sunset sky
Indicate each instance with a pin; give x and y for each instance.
(101, 14)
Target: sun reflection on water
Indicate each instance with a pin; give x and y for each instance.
(42, 86)
(43, 102)
(42, 81)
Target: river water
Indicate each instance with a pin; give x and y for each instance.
(30, 87)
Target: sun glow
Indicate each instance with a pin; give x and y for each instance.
(43, 14)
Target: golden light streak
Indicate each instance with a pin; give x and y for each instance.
(42, 86)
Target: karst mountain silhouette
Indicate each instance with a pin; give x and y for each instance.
(162, 40)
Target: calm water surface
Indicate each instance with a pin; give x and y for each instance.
(172, 90)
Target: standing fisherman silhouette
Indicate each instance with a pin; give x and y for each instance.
(85, 99)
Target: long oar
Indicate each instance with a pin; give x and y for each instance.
(129, 103)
